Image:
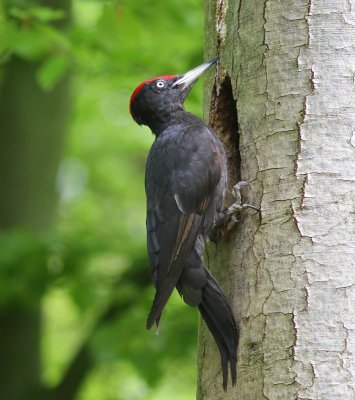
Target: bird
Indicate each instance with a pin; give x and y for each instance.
(185, 183)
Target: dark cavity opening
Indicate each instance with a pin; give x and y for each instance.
(224, 121)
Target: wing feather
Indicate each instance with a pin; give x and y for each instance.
(182, 173)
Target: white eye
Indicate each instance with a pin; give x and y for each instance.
(160, 84)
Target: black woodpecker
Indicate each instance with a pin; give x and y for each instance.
(186, 175)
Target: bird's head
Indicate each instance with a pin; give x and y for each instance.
(158, 99)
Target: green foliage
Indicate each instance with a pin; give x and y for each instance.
(27, 34)
(82, 267)
(40, 14)
(52, 70)
(23, 273)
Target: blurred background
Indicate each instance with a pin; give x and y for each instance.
(75, 285)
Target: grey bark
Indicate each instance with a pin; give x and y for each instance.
(290, 277)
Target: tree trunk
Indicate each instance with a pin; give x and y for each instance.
(284, 105)
(32, 123)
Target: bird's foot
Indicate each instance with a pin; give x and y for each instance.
(237, 207)
(226, 220)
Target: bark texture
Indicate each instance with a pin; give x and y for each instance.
(289, 69)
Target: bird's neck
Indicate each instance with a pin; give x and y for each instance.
(181, 116)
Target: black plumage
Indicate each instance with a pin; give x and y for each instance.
(186, 176)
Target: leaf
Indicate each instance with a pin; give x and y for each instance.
(52, 71)
(28, 45)
(42, 14)
(34, 42)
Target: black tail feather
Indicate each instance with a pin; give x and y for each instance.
(218, 316)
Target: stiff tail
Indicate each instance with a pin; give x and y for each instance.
(218, 316)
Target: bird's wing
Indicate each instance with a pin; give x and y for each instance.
(182, 174)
